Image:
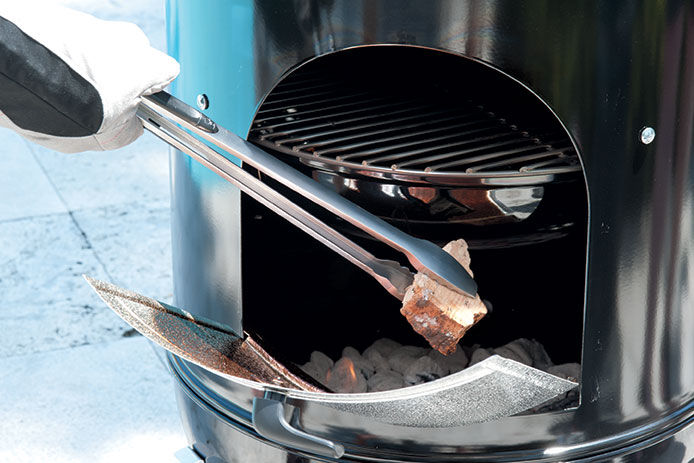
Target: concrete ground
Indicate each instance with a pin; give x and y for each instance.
(76, 384)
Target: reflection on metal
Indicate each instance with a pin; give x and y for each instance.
(518, 203)
(204, 342)
(417, 203)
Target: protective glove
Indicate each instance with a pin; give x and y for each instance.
(72, 82)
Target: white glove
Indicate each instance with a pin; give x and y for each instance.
(72, 82)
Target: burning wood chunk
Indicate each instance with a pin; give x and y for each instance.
(438, 313)
(343, 377)
(361, 364)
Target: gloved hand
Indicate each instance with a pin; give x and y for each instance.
(72, 82)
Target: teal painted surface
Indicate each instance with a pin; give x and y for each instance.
(206, 37)
(213, 42)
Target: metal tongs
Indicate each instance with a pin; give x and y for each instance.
(167, 117)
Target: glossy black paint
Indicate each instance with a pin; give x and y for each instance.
(606, 68)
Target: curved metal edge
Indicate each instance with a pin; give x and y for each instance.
(616, 446)
(491, 178)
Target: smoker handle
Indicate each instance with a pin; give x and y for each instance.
(269, 422)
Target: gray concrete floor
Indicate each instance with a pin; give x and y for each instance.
(76, 385)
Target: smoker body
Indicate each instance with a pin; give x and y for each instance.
(605, 70)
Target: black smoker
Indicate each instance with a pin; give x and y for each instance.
(525, 128)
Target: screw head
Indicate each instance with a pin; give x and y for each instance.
(647, 135)
(203, 101)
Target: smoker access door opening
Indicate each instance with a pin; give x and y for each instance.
(444, 148)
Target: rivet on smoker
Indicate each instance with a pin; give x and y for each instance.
(647, 135)
(203, 102)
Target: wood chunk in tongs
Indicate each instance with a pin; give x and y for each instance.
(442, 316)
(167, 117)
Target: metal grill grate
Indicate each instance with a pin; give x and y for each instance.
(330, 122)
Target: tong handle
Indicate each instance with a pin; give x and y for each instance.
(185, 112)
(392, 276)
(424, 255)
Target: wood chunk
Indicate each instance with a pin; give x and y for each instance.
(438, 313)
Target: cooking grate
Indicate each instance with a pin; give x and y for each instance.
(328, 121)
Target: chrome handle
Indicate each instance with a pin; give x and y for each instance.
(392, 276)
(185, 112)
(269, 422)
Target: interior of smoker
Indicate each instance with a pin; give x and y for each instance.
(299, 296)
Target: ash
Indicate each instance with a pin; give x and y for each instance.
(387, 364)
